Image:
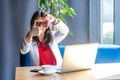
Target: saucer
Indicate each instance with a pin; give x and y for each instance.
(42, 72)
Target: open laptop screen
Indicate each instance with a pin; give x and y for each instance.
(79, 57)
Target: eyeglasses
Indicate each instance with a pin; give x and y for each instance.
(44, 24)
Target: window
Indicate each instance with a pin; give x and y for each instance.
(107, 22)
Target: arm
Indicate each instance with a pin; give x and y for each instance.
(25, 47)
(28, 39)
(27, 42)
(62, 31)
(60, 27)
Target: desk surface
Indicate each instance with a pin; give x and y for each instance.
(99, 71)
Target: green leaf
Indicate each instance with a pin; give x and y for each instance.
(41, 3)
(70, 33)
(72, 11)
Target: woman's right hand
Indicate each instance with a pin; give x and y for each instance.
(35, 31)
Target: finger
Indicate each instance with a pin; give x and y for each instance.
(51, 18)
(34, 24)
(41, 19)
(34, 27)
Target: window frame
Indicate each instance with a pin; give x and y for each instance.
(95, 21)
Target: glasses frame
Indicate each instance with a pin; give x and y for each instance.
(44, 24)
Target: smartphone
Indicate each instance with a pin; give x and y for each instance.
(35, 70)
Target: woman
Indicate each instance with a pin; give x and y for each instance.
(42, 42)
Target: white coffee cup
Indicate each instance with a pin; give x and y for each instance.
(48, 69)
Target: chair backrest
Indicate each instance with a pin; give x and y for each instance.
(25, 59)
(105, 54)
(62, 49)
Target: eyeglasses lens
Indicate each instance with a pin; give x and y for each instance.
(41, 23)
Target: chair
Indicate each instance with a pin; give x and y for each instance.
(105, 54)
(25, 59)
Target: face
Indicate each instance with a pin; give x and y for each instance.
(42, 23)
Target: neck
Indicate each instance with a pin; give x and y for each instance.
(41, 37)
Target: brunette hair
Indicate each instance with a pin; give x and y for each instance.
(47, 36)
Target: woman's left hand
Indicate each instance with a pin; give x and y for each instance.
(50, 18)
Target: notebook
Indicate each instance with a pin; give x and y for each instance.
(78, 57)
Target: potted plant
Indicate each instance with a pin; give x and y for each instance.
(57, 8)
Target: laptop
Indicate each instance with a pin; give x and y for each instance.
(78, 57)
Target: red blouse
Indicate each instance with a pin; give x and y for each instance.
(46, 56)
